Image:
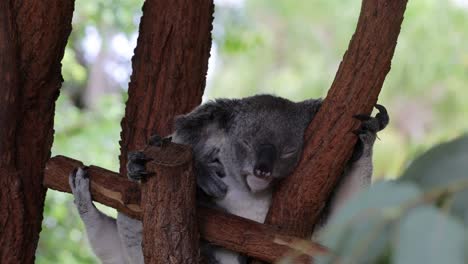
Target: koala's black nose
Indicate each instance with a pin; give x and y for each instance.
(266, 157)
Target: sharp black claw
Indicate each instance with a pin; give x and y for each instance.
(382, 116)
(362, 117)
(381, 108)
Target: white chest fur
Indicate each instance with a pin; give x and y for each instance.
(242, 202)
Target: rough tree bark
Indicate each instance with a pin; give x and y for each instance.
(169, 206)
(168, 79)
(33, 35)
(300, 198)
(169, 69)
(223, 229)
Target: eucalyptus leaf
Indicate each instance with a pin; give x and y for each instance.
(459, 206)
(360, 231)
(428, 236)
(441, 165)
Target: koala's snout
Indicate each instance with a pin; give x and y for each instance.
(266, 157)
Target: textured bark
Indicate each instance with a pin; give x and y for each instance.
(251, 238)
(33, 35)
(301, 197)
(169, 69)
(169, 206)
(223, 229)
(106, 186)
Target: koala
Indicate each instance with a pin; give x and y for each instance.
(242, 148)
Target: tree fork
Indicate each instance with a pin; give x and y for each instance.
(223, 229)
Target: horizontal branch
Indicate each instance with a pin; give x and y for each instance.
(223, 229)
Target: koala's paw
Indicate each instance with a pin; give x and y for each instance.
(209, 176)
(212, 185)
(367, 133)
(79, 184)
(158, 141)
(136, 166)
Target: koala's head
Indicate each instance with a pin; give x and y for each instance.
(259, 138)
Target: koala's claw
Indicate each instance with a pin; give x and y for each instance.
(367, 133)
(136, 169)
(377, 123)
(382, 116)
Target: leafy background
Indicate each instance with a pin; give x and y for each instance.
(291, 48)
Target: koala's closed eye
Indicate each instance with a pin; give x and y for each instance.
(246, 144)
(288, 153)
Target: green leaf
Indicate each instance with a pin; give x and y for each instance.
(428, 236)
(443, 165)
(360, 231)
(440, 165)
(459, 206)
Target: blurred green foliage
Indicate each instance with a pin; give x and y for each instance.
(92, 137)
(287, 47)
(419, 218)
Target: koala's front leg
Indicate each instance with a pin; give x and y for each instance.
(130, 232)
(208, 168)
(209, 172)
(358, 173)
(100, 228)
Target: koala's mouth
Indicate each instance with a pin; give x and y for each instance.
(257, 184)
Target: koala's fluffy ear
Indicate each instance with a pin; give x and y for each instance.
(214, 115)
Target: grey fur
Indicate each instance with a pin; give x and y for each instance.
(242, 147)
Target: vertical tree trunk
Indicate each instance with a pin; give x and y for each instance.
(169, 207)
(168, 79)
(33, 35)
(169, 69)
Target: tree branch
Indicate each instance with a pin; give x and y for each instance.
(168, 79)
(223, 229)
(169, 69)
(300, 198)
